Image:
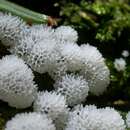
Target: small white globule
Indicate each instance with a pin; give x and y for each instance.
(73, 87)
(72, 55)
(34, 35)
(44, 56)
(12, 29)
(125, 53)
(94, 69)
(120, 64)
(41, 32)
(30, 121)
(66, 33)
(128, 119)
(54, 105)
(16, 82)
(91, 118)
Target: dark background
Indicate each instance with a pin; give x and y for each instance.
(43, 6)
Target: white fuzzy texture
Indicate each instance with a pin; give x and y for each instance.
(128, 119)
(40, 51)
(43, 56)
(66, 33)
(12, 29)
(41, 32)
(24, 47)
(54, 105)
(72, 55)
(125, 53)
(16, 82)
(91, 118)
(30, 121)
(35, 34)
(120, 64)
(95, 70)
(73, 87)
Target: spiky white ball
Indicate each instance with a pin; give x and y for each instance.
(41, 52)
(41, 32)
(12, 29)
(95, 70)
(30, 121)
(72, 56)
(50, 103)
(23, 49)
(43, 56)
(91, 118)
(128, 119)
(66, 33)
(73, 87)
(120, 64)
(16, 82)
(35, 34)
(54, 105)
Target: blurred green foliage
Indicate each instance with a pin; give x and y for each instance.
(108, 17)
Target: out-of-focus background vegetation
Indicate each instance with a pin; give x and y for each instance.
(102, 23)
